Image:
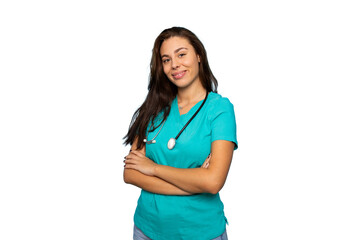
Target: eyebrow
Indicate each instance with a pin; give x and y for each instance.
(176, 51)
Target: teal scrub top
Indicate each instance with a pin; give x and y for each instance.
(199, 216)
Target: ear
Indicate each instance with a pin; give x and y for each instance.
(198, 57)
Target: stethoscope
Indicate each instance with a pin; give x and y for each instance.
(172, 141)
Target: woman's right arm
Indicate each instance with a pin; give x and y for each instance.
(150, 183)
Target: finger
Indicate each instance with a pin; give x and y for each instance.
(132, 155)
(130, 166)
(127, 157)
(129, 154)
(130, 161)
(206, 161)
(208, 158)
(137, 153)
(204, 164)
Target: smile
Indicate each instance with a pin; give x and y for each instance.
(179, 75)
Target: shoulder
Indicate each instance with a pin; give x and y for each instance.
(216, 103)
(221, 117)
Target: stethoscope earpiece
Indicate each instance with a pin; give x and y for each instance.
(149, 142)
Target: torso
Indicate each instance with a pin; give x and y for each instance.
(198, 216)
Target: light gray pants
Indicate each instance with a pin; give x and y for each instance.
(139, 235)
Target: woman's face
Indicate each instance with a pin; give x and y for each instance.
(180, 62)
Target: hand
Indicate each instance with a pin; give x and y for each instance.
(207, 162)
(138, 161)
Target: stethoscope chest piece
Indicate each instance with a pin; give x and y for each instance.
(171, 143)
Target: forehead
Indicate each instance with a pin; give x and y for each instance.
(172, 44)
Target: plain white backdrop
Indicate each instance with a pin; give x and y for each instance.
(72, 73)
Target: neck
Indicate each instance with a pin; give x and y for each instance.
(192, 94)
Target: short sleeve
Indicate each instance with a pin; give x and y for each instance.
(222, 121)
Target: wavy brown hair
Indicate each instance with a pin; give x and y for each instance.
(161, 91)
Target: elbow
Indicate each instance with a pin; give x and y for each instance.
(127, 176)
(214, 187)
(214, 190)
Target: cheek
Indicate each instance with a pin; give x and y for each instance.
(191, 63)
(166, 69)
(167, 72)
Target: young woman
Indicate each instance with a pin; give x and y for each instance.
(183, 137)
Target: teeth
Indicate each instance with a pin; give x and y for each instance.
(179, 75)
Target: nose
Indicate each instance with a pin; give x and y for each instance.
(174, 64)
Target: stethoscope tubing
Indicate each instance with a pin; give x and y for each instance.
(172, 141)
(193, 116)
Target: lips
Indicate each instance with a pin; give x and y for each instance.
(178, 75)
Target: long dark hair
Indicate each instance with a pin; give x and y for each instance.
(161, 91)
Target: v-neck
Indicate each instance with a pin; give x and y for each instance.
(191, 110)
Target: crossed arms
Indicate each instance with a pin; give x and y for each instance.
(209, 178)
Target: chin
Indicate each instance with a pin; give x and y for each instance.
(181, 85)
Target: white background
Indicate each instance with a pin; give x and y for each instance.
(73, 73)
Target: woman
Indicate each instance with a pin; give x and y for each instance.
(180, 178)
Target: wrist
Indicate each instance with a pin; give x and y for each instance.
(156, 170)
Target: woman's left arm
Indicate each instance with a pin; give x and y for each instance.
(192, 180)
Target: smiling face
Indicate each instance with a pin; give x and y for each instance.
(180, 62)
